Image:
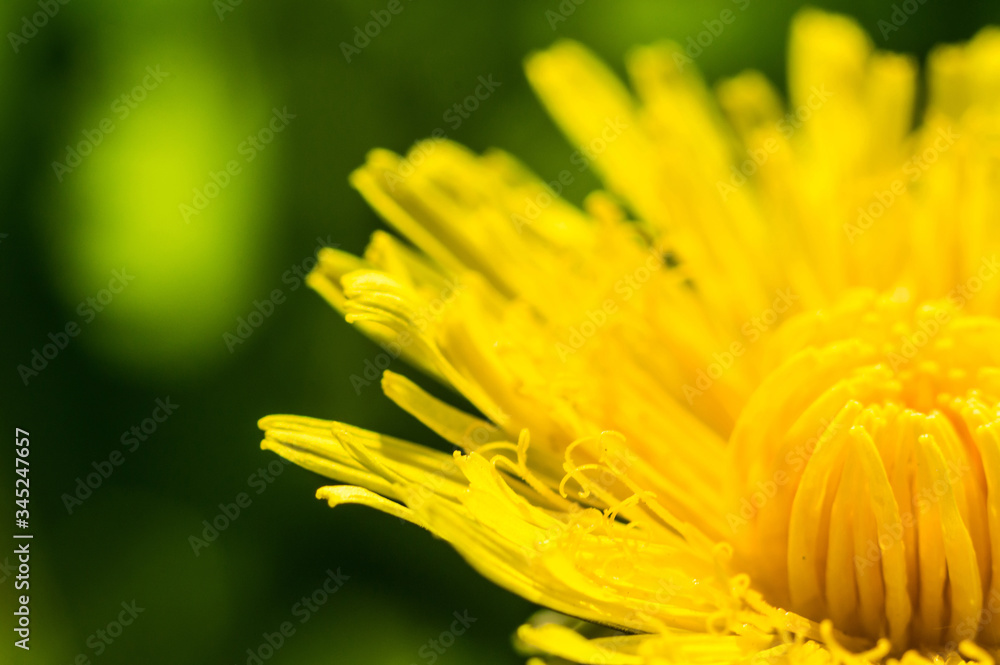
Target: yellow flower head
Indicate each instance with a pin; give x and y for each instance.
(744, 406)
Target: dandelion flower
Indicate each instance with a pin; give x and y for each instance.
(744, 404)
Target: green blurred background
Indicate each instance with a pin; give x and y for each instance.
(223, 70)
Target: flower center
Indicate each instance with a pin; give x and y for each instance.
(869, 472)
